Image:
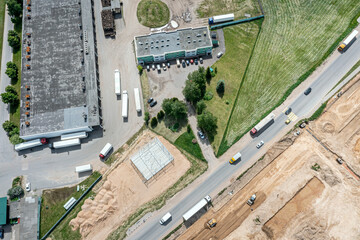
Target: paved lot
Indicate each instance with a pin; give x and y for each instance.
(29, 218)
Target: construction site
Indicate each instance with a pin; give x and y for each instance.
(306, 185)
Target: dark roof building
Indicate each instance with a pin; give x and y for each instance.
(3, 211)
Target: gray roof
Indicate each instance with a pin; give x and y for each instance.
(62, 88)
(183, 39)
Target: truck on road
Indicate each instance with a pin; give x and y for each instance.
(30, 144)
(192, 211)
(269, 119)
(221, 18)
(348, 41)
(117, 83)
(125, 104)
(137, 99)
(236, 157)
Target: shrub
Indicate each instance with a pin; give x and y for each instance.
(11, 70)
(15, 192)
(15, 139)
(8, 126)
(174, 108)
(188, 128)
(11, 89)
(208, 73)
(208, 122)
(160, 115)
(147, 118)
(208, 96)
(200, 106)
(215, 70)
(14, 9)
(140, 68)
(175, 127)
(13, 39)
(154, 122)
(220, 86)
(9, 98)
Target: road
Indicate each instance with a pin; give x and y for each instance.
(302, 106)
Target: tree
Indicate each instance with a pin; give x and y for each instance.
(188, 128)
(14, 9)
(12, 73)
(160, 115)
(207, 122)
(208, 74)
(147, 117)
(174, 108)
(8, 126)
(200, 106)
(154, 122)
(220, 86)
(199, 78)
(9, 98)
(191, 92)
(14, 131)
(15, 139)
(140, 68)
(13, 39)
(10, 89)
(15, 192)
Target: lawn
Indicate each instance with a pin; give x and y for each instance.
(239, 42)
(145, 88)
(211, 8)
(163, 129)
(52, 209)
(153, 13)
(2, 19)
(185, 142)
(291, 44)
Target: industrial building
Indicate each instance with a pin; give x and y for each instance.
(164, 46)
(60, 79)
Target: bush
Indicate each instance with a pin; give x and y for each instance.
(15, 139)
(14, 9)
(208, 96)
(175, 127)
(13, 39)
(14, 131)
(15, 192)
(220, 86)
(200, 106)
(11, 70)
(9, 98)
(208, 73)
(188, 128)
(140, 68)
(174, 108)
(215, 70)
(208, 122)
(11, 89)
(160, 115)
(154, 122)
(8, 126)
(147, 118)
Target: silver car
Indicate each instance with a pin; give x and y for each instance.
(259, 145)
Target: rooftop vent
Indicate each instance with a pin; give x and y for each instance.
(28, 16)
(27, 106)
(157, 41)
(194, 41)
(28, 42)
(199, 40)
(80, 26)
(27, 113)
(28, 57)
(189, 41)
(27, 96)
(177, 38)
(198, 35)
(28, 34)
(27, 66)
(168, 40)
(27, 87)
(28, 50)
(162, 40)
(177, 43)
(29, 8)
(188, 36)
(27, 123)
(167, 45)
(204, 33)
(146, 48)
(28, 2)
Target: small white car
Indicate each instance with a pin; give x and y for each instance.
(219, 54)
(28, 187)
(259, 145)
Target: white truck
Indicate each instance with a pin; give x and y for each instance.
(221, 18)
(348, 41)
(263, 123)
(74, 135)
(66, 143)
(192, 211)
(83, 168)
(105, 151)
(165, 218)
(117, 83)
(125, 104)
(137, 99)
(236, 157)
(30, 144)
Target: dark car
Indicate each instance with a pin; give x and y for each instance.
(153, 103)
(307, 91)
(183, 63)
(196, 61)
(150, 100)
(288, 111)
(1, 233)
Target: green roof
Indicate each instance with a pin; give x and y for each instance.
(3, 210)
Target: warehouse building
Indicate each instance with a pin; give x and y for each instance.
(164, 46)
(60, 84)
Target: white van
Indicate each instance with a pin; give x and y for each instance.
(165, 218)
(178, 62)
(105, 150)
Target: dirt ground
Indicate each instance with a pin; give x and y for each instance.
(123, 191)
(296, 201)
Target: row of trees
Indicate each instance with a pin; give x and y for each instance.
(15, 10)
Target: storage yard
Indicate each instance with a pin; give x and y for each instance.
(304, 193)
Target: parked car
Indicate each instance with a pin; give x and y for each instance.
(150, 100)
(259, 145)
(1, 233)
(201, 60)
(339, 160)
(183, 63)
(196, 61)
(191, 61)
(153, 103)
(168, 64)
(219, 54)
(288, 111)
(158, 67)
(28, 187)
(153, 67)
(302, 125)
(147, 67)
(164, 66)
(187, 62)
(201, 135)
(307, 91)
(287, 121)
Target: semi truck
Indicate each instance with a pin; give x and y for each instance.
(117, 83)
(125, 104)
(74, 135)
(137, 99)
(269, 119)
(66, 143)
(236, 157)
(30, 144)
(348, 41)
(221, 18)
(192, 211)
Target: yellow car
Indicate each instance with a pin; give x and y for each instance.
(287, 121)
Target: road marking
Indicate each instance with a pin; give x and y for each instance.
(292, 116)
(283, 111)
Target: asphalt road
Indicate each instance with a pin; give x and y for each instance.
(302, 106)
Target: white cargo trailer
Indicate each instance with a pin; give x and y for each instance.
(221, 18)
(125, 104)
(83, 168)
(137, 99)
(74, 135)
(348, 41)
(27, 145)
(202, 203)
(117, 82)
(66, 143)
(263, 123)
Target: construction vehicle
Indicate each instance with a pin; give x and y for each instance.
(192, 211)
(251, 200)
(348, 41)
(221, 18)
(211, 223)
(236, 157)
(269, 119)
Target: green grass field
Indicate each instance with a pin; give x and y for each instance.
(153, 13)
(291, 44)
(185, 142)
(239, 42)
(210, 8)
(2, 19)
(52, 209)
